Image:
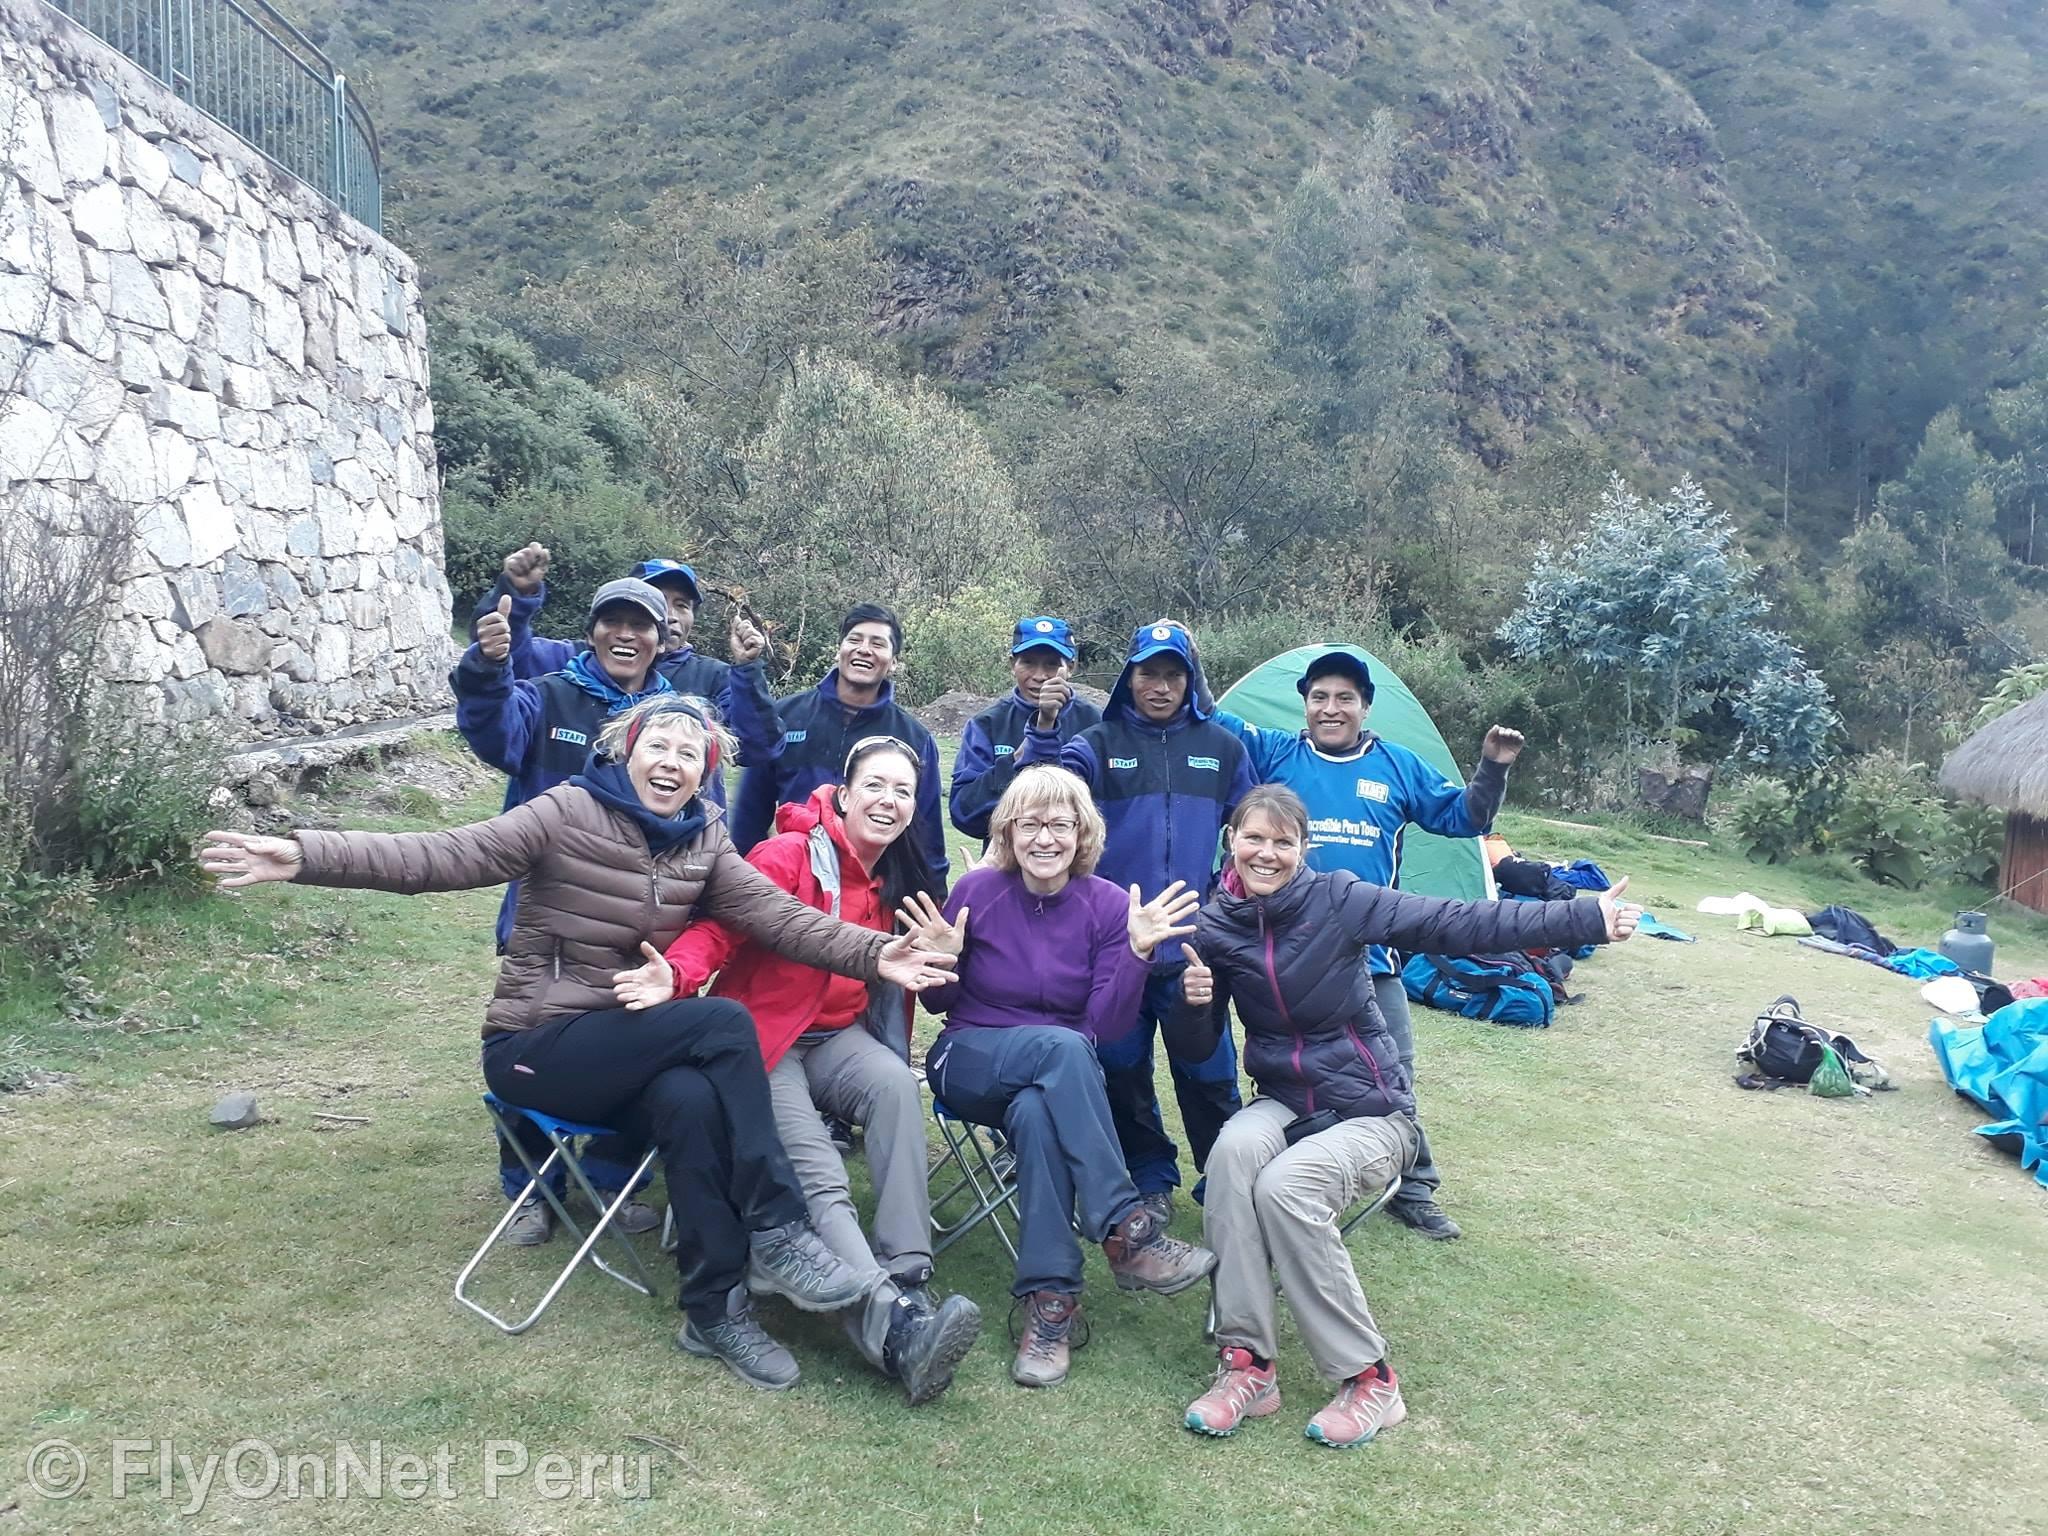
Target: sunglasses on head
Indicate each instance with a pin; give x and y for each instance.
(867, 742)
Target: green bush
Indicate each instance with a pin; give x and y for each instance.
(962, 642)
(1894, 825)
(140, 801)
(595, 534)
(1759, 814)
(45, 920)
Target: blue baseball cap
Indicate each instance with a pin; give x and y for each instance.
(1043, 629)
(1162, 638)
(669, 570)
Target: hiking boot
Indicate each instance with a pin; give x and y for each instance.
(1048, 1341)
(927, 1342)
(1366, 1404)
(635, 1216)
(1242, 1390)
(1144, 1258)
(534, 1224)
(793, 1262)
(1426, 1218)
(742, 1343)
(1160, 1204)
(839, 1133)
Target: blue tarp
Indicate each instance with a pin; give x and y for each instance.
(2002, 1064)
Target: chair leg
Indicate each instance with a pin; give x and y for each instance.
(562, 1153)
(1376, 1203)
(990, 1185)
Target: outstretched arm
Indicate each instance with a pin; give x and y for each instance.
(1430, 925)
(458, 859)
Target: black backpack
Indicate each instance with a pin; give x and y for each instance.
(1783, 1045)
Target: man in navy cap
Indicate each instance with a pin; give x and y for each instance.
(538, 732)
(739, 690)
(1166, 776)
(1361, 790)
(1042, 653)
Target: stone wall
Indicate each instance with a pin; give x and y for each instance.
(195, 343)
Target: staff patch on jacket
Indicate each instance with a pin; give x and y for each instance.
(1374, 790)
(1123, 762)
(563, 733)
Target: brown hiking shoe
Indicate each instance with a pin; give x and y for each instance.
(1144, 1258)
(1043, 1351)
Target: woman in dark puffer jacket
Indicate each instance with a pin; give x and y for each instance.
(1335, 1117)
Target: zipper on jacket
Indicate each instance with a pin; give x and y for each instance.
(1286, 1017)
(558, 959)
(1365, 1055)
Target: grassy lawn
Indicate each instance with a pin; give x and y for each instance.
(1678, 1307)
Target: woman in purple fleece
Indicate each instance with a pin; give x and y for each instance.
(1054, 959)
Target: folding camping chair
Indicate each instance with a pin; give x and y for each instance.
(987, 1182)
(561, 1135)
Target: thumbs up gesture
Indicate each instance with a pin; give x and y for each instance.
(494, 632)
(526, 568)
(1622, 916)
(1197, 982)
(645, 986)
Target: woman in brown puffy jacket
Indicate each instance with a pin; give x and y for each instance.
(614, 864)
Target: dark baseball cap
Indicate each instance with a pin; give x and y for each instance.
(634, 593)
(1345, 663)
(1043, 629)
(653, 571)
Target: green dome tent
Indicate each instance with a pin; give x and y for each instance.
(1431, 865)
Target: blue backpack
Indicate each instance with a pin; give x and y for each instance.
(1505, 989)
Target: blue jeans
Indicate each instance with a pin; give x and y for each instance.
(1041, 1086)
(1206, 1091)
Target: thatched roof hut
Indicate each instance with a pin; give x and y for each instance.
(2006, 764)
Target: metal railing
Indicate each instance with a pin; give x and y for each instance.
(248, 68)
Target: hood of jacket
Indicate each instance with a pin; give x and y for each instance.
(586, 672)
(1164, 638)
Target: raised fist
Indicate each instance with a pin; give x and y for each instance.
(526, 568)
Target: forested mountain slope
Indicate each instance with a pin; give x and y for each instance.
(1695, 228)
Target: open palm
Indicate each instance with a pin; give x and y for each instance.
(1169, 915)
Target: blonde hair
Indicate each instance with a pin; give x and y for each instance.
(1043, 791)
(694, 714)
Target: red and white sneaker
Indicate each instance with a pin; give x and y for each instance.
(1366, 1404)
(1241, 1390)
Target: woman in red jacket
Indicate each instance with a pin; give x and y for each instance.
(849, 850)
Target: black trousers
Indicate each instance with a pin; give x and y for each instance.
(686, 1076)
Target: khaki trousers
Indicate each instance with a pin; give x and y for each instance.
(1272, 1212)
(853, 1075)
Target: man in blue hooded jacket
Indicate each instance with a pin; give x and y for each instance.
(1042, 653)
(1361, 791)
(821, 725)
(738, 690)
(538, 732)
(1166, 777)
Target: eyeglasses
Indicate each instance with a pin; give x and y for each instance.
(1061, 828)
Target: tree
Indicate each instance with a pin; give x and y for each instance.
(2021, 481)
(1658, 597)
(1185, 493)
(505, 421)
(707, 314)
(862, 490)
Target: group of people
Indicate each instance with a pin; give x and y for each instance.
(720, 987)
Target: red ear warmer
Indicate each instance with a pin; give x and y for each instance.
(710, 736)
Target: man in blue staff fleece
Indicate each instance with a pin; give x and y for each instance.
(1166, 777)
